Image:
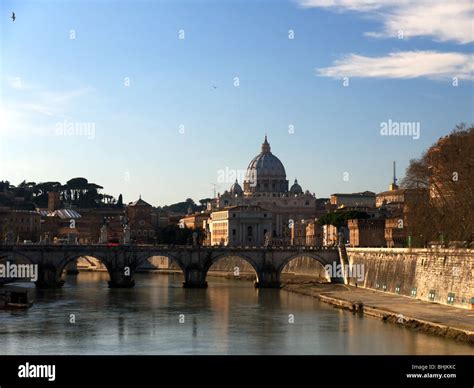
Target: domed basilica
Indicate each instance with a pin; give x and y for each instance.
(266, 186)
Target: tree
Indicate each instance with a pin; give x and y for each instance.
(445, 172)
(4, 185)
(173, 234)
(204, 201)
(79, 191)
(181, 207)
(120, 201)
(339, 218)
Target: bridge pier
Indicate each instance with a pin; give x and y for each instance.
(339, 280)
(194, 278)
(268, 278)
(71, 268)
(48, 278)
(119, 279)
(122, 283)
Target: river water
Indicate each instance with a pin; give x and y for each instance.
(158, 316)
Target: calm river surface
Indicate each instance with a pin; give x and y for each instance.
(230, 317)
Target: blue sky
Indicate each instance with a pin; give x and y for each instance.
(136, 143)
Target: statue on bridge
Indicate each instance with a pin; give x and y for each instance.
(103, 234)
(268, 239)
(9, 238)
(126, 232)
(340, 238)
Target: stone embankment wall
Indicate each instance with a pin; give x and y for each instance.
(438, 275)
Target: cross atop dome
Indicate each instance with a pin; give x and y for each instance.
(266, 146)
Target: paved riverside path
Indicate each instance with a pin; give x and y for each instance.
(410, 308)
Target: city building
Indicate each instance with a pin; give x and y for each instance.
(298, 233)
(364, 199)
(314, 233)
(330, 235)
(240, 225)
(195, 220)
(395, 233)
(18, 226)
(395, 204)
(142, 222)
(367, 232)
(64, 225)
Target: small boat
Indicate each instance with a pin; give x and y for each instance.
(15, 298)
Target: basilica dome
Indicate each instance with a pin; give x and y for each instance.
(266, 173)
(296, 188)
(236, 189)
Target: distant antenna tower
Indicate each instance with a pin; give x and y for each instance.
(394, 185)
(216, 186)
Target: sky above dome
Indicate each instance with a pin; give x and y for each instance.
(172, 99)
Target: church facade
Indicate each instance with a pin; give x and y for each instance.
(266, 186)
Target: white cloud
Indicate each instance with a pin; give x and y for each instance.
(65, 96)
(32, 110)
(353, 5)
(441, 20)
(15, 83)
(405, 65)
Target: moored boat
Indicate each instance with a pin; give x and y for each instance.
(15, 298)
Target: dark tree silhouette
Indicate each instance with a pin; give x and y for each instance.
(446, 173)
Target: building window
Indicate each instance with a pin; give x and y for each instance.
(233, 215)
(432, 295)
(234, 232)
(249, 231)
(265, 215)
(450, 298)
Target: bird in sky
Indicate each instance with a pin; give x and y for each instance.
(13, 17)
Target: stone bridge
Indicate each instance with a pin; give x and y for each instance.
(122, 261)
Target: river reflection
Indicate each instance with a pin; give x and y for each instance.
(158, 316)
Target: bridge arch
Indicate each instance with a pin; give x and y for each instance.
(216, 258)
(144, 258)
(302, 255)
(70, 259)
(16, 258)
(25, 257)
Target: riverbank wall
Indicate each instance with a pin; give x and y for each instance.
(440, 275)
(435, 319)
